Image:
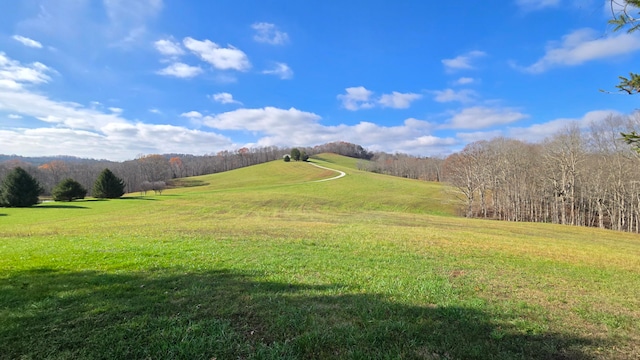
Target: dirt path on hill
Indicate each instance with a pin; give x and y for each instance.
(342, 173)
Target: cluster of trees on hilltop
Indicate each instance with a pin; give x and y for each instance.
(588, 178)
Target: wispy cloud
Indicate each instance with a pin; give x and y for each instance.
(581, 46)
(532, 5)
(281, 70)
(398, 100)
(465, 81)
(181, 70)
(463, 62)
(359, 97)
(268, 33)
(27, 42)
(15, 75)
(450, 95)
(480, 117)
(229, 58)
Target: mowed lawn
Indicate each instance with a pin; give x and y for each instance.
(266, 263)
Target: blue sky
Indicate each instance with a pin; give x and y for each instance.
(113, 79)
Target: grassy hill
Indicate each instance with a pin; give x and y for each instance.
(265, 262)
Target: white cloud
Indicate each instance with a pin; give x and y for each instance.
(14, 75)
(268, 119)
(224, 98)
(398, 100)
(530, 5)
(462, 62)
(293, 127)
(282, 70)
(359, 97)
(181, 70)
(584, 45)
(116, 110)
(268, 33)
(168, 47)
(229, 58)
(465, 81)
(479, 117)
(123, 140)
(14, 116)
(449, 95)
(538, 132)
(192, 115)
(155, 111)
(27, 42)
(356, 98)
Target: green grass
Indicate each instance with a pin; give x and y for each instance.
(265, 263)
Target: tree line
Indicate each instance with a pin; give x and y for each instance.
(154, 172)
(575, 177)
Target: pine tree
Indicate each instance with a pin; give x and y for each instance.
(68, 190)
(108, 186)
(19, 189)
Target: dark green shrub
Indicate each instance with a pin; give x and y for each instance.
(68, 190)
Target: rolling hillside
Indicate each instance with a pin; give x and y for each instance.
(267, 262)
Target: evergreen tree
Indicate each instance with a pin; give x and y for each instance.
(295, 154)
(108, 186)
(19, 189)
(68, 190)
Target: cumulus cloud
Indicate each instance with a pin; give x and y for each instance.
(398, 100)
(480, 117)
(356, 98)
(123, 140)
(224, 98)
(584, 45)
(268, 33)
(181, 70)
(293, 127)
(229, 58)
(463, 62)
(168, 47)
(27, 42)
(281, 70)
(68, 128)
(450, 95)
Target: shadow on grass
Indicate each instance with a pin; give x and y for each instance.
(186, 182)
(59, 206)
(229, 315)
(137, 198)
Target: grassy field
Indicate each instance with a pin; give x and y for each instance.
(265, 263)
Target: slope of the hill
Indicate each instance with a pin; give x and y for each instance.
(266, 262)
